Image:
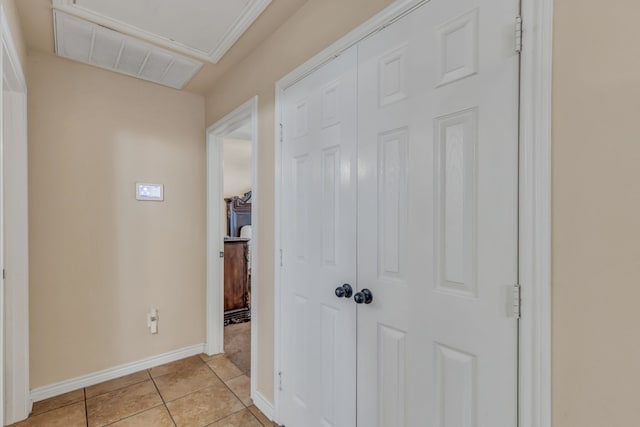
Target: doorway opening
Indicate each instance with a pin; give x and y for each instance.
(236, 155)
(232, 261)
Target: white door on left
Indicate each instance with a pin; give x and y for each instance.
(319, 248)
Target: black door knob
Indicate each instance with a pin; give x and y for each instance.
(344, 291)
(363, 297)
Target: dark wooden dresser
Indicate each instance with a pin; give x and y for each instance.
(236, 274)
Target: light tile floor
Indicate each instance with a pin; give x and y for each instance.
(195, 392)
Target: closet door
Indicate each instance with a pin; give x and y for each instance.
(319, 248)
(437, 218)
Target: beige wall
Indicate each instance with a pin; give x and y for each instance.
(312, 28)
(11, 13)
(236, 154)
(596, 214)
(99, 258)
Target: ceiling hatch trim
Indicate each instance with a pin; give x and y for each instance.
(95, 45)
(243, 21)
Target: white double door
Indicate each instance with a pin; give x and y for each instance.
(400, 176)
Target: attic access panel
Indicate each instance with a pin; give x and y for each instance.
(93, 44)
(204, 29)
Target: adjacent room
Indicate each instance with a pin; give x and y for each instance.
(237, 242)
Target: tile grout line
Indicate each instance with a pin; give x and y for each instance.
(75, 402)
(195, 391)
(85, 397)
(86, 410)
(116, 389)
(227, 386)
(232, 392)
(232, 414)
(258, 418)
(162, 398)
(135, 413)
(237, 397)
(191, 392)
(229, 379)
(214, 372)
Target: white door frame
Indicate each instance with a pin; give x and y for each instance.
(14, 357)
(535, 198)
(535, 213)
(215, 264)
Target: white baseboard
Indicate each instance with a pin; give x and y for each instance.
(72, 384)
(263, 404)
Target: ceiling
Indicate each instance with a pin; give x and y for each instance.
(102, 47)
(169, 24)
(201, 28)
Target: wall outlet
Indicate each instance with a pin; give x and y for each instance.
(152, 321)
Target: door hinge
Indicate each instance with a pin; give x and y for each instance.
(280, 380)
(518, 34)
(281, 258)
(281, 132)
(221, 254)
(516, 301)
(4, 274)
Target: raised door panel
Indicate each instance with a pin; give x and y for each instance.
(455, 202)
(384, 152)
(437, 217)
(319, 247)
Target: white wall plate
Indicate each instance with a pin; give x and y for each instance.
(153, 192)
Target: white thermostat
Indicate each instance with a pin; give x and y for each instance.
(149, 191)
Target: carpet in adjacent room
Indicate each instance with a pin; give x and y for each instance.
(237, 345)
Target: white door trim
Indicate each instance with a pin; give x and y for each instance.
(535, 196)
(215, 279)
(15, 355)
(535, 213)
(2, 262)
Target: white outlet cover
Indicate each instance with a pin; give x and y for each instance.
(153, 192)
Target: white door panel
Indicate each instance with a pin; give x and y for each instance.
(319, 243)
(437, 230)
(400, 173)
(437, 200)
